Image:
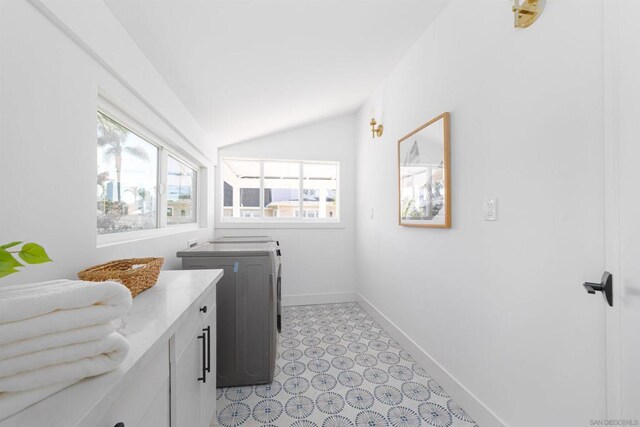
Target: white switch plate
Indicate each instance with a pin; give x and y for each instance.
(191, 243)
(490, 209)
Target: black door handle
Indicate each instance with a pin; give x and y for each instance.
(203, 378)
(208, 332)
(203, 309)
(605, 286)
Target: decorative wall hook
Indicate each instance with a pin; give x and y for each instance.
(376, 130)
(527, 12)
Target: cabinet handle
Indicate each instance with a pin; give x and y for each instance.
(203, 378)
(203, 309)
(208, 331)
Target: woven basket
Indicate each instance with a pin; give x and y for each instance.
(135, 279)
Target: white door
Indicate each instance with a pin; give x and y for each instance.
(622, 123)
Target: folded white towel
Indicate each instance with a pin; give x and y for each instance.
(69, 363)
(21, 389)
(59, 339)
(39, 309)
(28, 367)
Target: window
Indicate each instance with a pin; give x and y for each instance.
(241, 189)
(281, 189)
(181, 190)
(128, 180)
(319, 190)
(273, 190)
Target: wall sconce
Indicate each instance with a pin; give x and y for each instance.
(376, 130)
(527, 12)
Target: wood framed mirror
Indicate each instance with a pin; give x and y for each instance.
(424, 181)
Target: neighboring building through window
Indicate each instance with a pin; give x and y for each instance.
(271, 190)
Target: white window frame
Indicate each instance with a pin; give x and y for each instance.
(165, 149)
(230, 222)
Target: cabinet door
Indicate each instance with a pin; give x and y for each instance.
(140, 391)
(186, 395)
(158, 413)
(208, 389)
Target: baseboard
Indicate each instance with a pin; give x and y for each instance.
(483, 416)
(326, 298)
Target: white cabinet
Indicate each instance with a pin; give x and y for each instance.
(177, 386)
(193, 371)
(185, 399)
(171, 330)
(141, 391)
(208, 388)
(158, 413)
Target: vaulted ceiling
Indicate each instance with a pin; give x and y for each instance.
(247, 68)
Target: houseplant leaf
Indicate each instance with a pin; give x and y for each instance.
(32, 253)
(8, 263)
(10, 245)
(7, 259)
(7, 269)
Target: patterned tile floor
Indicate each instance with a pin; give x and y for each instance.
(337, 367)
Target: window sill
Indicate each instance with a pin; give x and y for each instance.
(278, 225)
(105, 240)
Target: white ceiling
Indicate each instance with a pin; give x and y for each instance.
(247, 68)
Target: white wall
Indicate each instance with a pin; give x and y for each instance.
(48, 99)
(318, 263)
(499, 305)
(622, 109)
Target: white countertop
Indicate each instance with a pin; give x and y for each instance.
(154, 317)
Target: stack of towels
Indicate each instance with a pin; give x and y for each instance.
(54, 334)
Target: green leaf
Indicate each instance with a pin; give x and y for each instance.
(7, 259)
(10, 245)
(32, 253)
(7, 269)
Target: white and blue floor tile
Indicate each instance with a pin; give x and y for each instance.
(337, 367)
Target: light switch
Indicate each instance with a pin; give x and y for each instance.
(490, 210)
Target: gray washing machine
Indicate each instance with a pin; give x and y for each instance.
(246, 306)
(261, 239)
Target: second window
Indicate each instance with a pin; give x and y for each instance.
(274, 190)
